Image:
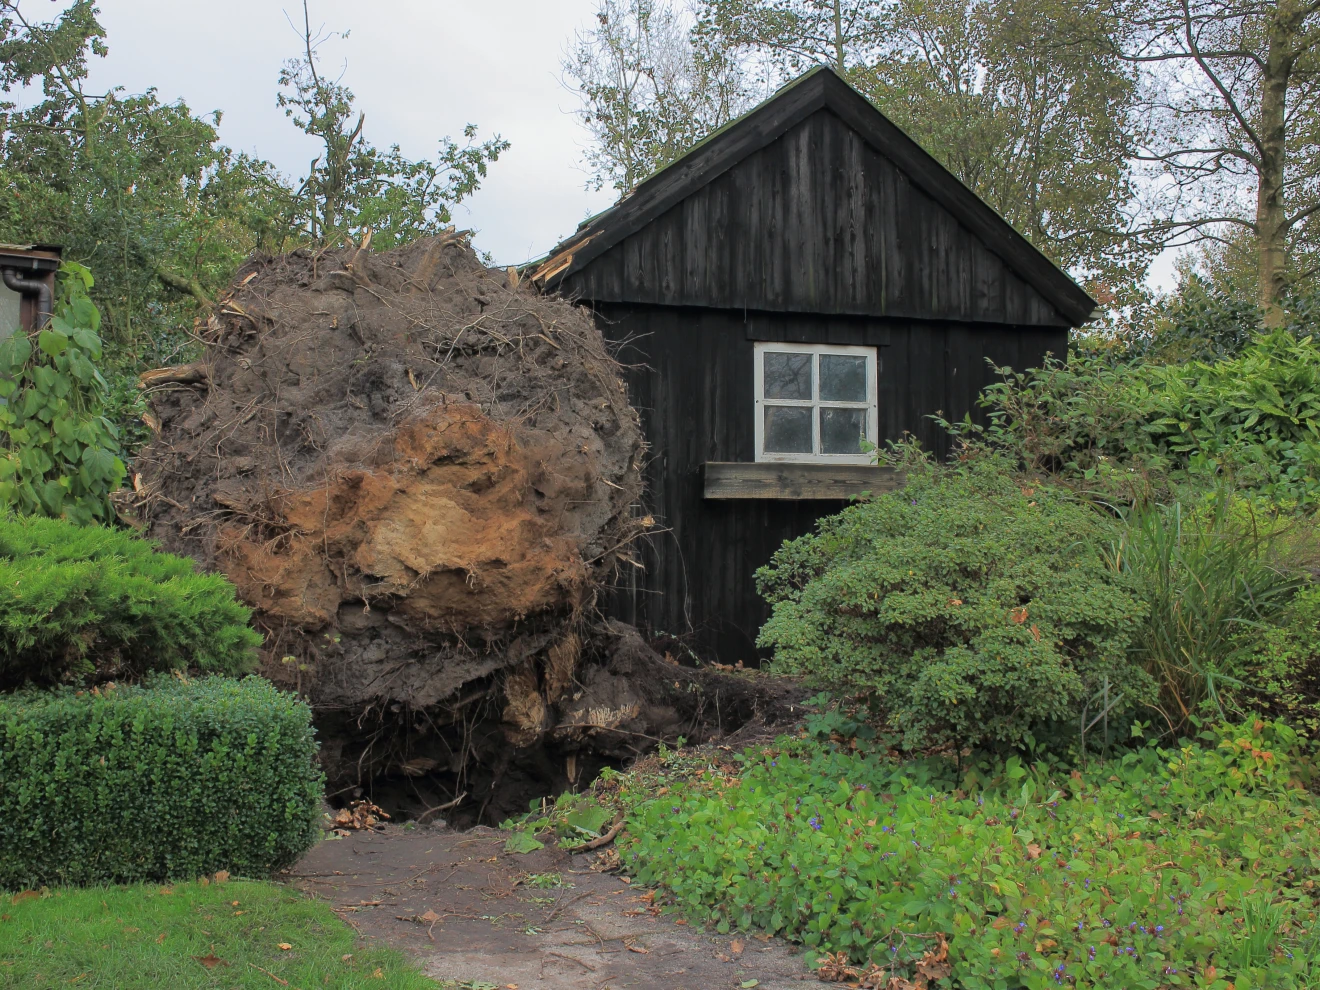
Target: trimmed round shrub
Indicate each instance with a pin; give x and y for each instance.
(174, 780)
(86, 600)
(973, 608)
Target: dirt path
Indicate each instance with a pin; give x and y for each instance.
(495, 924)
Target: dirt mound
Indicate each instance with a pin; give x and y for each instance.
(419, 472)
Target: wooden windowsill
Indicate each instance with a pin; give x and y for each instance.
(724, 480)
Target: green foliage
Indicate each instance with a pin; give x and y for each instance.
(136, 188)
(651, 88)
(354, 186)
(77, 601)
(973, 609)
(113, 935)
(1188, 867)
(1280, 670)
(59, 455)
(1133, 428)
(1216, 579)
(177, 779)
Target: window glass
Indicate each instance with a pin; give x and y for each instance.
(788, 429)
(841, 430)
(842, 378)
(788, 376)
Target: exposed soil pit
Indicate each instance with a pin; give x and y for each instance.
(419, 473)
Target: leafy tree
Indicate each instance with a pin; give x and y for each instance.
(1016, 98)
(1230, 93)
(353, 186)
(652, 85)
(59, 455)
(133, 187)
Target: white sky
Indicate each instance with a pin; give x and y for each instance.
(420, 69)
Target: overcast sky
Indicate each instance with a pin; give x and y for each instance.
(421, 69)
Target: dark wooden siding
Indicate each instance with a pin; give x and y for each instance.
(816, 222)
(691, 378)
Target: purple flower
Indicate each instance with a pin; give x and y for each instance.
(814, 822)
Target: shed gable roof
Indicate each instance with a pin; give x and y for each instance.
(788, 116)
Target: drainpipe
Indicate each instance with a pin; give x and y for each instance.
(31, 287)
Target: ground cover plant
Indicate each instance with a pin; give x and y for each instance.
(231, 934)
(1184, 866)
(87, 600)
(973, 607)
(176, 779)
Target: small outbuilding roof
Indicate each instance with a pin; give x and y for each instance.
(819, 89)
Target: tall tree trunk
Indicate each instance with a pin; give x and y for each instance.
(838, 35)
(1271, 219)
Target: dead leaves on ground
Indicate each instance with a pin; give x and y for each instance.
(933, 966)
(358, 816)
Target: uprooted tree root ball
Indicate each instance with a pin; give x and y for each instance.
(418, 472)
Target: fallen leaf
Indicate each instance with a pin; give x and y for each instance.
(211, 960)
(26, 895)
(160, 938)
(1035, 632)
(379, 974)
(203, 881)
(736, 946)
(285, 947)
(221, 876)
(633, 948)
(1019, 614)
(233, 903)
(748, 984)
(346, 957)
(1033, 851)
(429, 918)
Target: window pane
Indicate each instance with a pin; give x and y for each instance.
(841, 430)
(787, 430)
(787, 376)
(842, 378)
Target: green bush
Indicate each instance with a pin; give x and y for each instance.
(1280, 672)
(972, 608)
(1192, 866)
(1253, 419)
(59, 454)
(177, 779)
(78, 600)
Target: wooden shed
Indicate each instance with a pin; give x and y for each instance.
(805, 277)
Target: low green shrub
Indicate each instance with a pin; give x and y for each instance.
(177, 779)
(973, 608)
(1189, 867)
(82, 600)
(1280, 672)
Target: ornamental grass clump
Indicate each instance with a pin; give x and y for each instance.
(973, 608)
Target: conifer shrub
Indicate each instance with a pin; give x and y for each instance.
(174, 779)
(973, 608)
(77, 601)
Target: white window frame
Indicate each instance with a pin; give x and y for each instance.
(871, 405)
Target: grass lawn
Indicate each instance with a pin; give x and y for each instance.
(237, 934)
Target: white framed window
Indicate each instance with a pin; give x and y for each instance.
(815, 402)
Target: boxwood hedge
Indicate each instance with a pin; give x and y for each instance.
(174, 779)
(86, 600)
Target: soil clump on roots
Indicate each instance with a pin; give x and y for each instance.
(419, 472)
